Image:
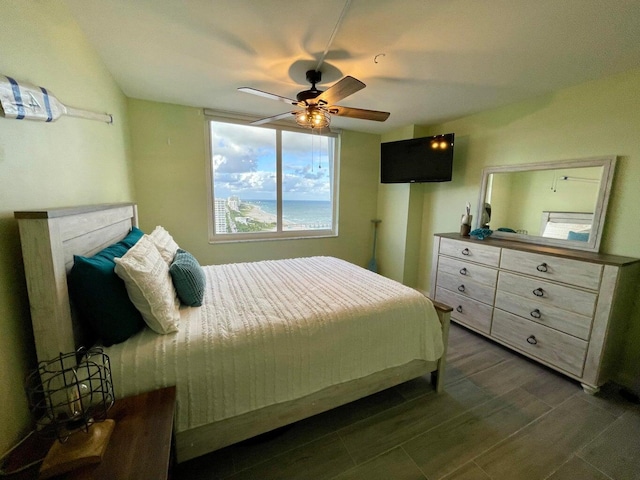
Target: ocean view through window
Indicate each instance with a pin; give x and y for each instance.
(270, 183)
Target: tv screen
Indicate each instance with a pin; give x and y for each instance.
(426, 159)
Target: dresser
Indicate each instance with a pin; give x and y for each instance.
(566, 309)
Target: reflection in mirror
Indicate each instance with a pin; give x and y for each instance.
(554, 203)
(485, 220)
(524, 196)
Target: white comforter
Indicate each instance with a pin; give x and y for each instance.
(274, 331)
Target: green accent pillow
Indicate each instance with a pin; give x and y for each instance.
(100, 296)
(188, 278)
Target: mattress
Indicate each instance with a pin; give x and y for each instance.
(274, 331)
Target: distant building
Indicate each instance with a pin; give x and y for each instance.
(233, 203)
(220, 215)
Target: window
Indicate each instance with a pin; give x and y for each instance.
(269, 183)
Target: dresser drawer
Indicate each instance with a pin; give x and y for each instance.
(466, 287)
(470, 251)
(470, 312)
(566, 298)
(564, 270)
(556, 318)
(559, 349)
(468, 271)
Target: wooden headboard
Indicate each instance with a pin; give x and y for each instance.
(50, 239)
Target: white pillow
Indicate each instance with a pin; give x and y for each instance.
(164, 243)
(146, 276)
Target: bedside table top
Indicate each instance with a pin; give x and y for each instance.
(139, 447)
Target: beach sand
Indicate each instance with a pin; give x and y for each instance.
(255, 213)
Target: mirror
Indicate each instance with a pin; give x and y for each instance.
(561, 203)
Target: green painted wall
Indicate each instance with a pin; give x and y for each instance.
(169, 144)
(596, 118)
(414, 235)
(393, 208)
(68, 162)
(401, 208)
(399, 232)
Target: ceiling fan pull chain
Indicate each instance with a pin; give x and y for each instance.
(335, 31)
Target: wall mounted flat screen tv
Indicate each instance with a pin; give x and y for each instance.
(426, 159)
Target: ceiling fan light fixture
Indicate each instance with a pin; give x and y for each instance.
(313, 117)
(318, 105)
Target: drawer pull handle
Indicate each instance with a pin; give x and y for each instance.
(536, 313)
(538, 292)
(532, 340)
(461, 288)
(542, 267)
(459, 309)
(466, 251)
(463, 271)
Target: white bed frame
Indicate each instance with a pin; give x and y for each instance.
(49, 240)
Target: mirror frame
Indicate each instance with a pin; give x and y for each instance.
(600, 210)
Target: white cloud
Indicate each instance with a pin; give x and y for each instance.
(238, 148)
(256, 183)
(242, 155)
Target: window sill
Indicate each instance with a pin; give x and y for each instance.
(266, 237)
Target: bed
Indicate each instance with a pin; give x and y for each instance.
(294, 357)
(574, 226)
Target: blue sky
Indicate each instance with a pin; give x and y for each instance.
(244, 163)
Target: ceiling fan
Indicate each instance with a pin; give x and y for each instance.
(318, 105)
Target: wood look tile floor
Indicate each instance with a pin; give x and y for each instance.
(501, 417)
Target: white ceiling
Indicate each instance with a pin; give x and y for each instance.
(425, 61)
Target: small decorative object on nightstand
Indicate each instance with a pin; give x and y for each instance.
(69, 397)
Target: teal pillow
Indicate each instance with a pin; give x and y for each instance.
(100, 296)
(578, 236)
(188, 278)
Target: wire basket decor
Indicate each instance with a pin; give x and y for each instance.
(71, 392)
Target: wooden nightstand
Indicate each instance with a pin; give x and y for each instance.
(140, 446)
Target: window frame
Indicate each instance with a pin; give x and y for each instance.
(279, 234)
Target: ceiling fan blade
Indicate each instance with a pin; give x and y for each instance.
(262, 121)
(359, 113)
(345, 87)
(271, 96)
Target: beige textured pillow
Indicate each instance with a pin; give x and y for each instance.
(165, 243)
(149, 285)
